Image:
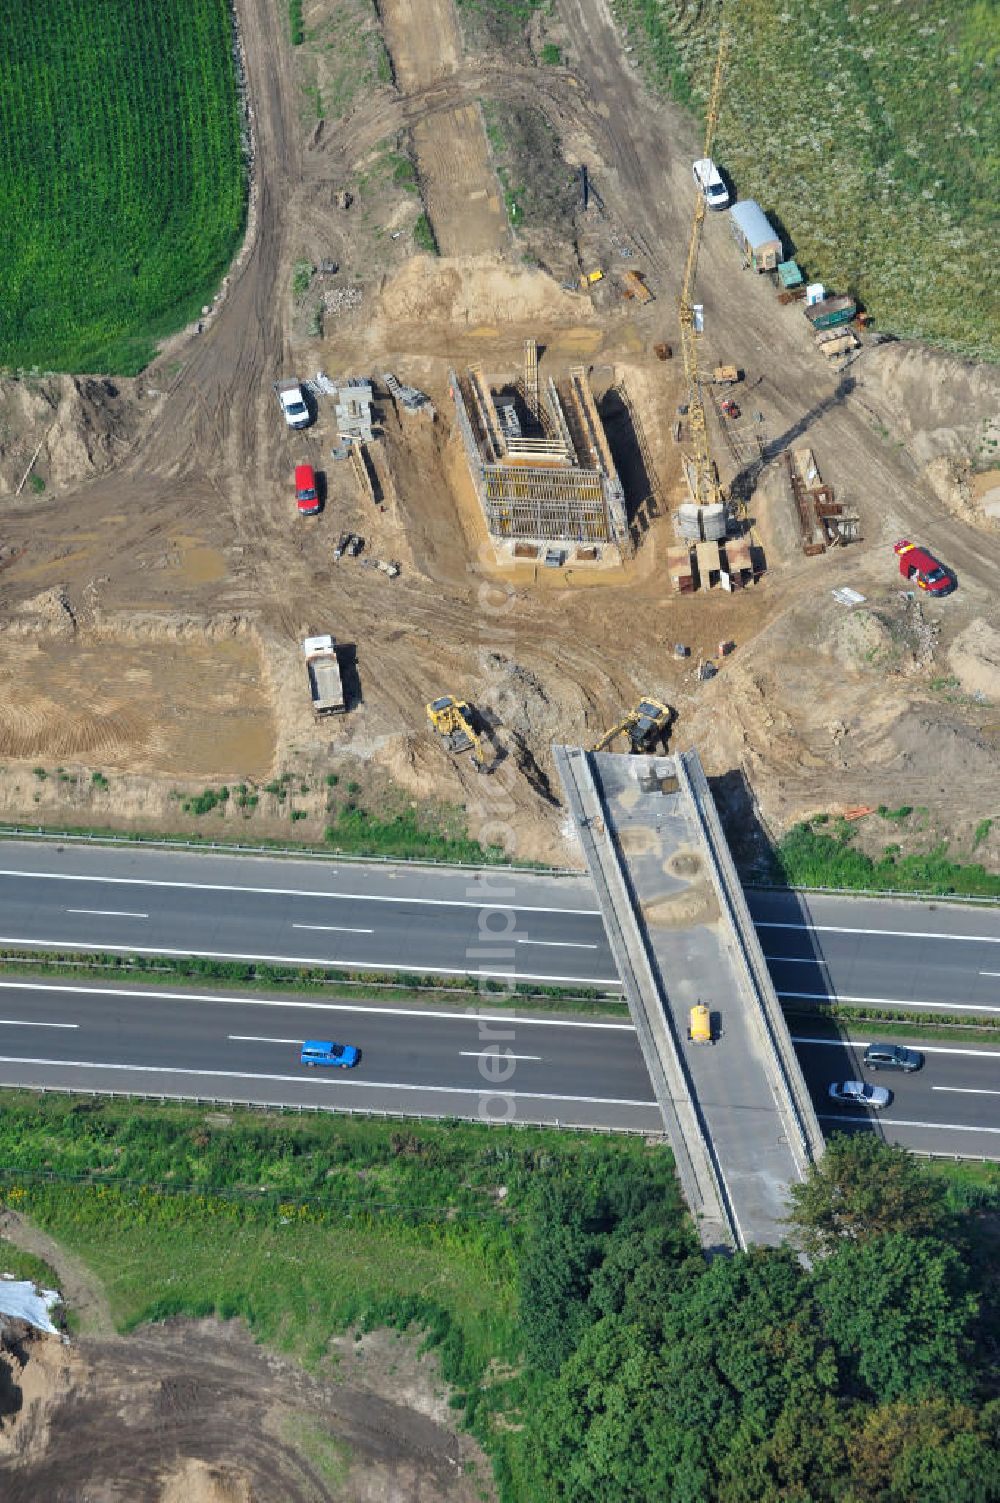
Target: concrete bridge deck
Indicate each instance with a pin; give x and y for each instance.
(737, 1113)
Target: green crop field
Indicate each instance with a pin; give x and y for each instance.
(870, 132)
(122, 186)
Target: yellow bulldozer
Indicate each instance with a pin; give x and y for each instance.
(647, 724)
(453, 720)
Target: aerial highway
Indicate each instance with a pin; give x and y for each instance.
(485, 1065)
(493, 923)
(350, 915)
(422, 1060)
(182, 1041)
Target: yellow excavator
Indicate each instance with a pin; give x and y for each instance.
(645, 725)
(452, 719)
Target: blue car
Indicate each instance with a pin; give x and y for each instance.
(324, 1052)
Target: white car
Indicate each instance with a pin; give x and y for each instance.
(860, 1093)
(708, 180)
(293, 404)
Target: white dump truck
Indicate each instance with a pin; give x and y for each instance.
(323, 667)
(293, 403)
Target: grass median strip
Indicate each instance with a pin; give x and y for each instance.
(895, 1024)
(163, 971)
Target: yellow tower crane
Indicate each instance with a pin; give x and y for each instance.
(702, 476)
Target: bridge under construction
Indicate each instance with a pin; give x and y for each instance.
(541, 466)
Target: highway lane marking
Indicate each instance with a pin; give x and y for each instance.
(924, 1048)
(310, 1079)
(797, 960)
(961, 1090)
(555, 944)
(255, 1038)
(30, 1023)
(989, 973)
(495, 1052)
(904, 1122)
(845, 997)
(319, 960)
(108, 912)
(985, 939)
(333, 929)
(298, 892)
(469, 1015)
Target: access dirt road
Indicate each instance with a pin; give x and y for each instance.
(187, 536)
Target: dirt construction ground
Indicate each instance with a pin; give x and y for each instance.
(154, 597)
(151, 1417)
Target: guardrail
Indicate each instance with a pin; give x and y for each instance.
(299, 853)
(876, 892)
(236, 1103)
(701, 1181)
(797, 1107)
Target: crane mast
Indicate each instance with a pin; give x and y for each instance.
(702, 476)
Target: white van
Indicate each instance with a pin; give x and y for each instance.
(708, 180)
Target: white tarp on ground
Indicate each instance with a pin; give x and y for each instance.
(23, 1300)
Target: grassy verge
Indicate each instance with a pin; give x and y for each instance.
(396, 839)
(169, 970)
(874, 144)
(306, 1229)
(557, 1278)
(810, 857)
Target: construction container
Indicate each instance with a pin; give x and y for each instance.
(759, 243)
(713, 522)
(739, 563)
(679, 571)
(831, 311)
(687, 522)
(709, 564)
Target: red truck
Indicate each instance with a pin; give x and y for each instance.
(923, 569)
(306, 494)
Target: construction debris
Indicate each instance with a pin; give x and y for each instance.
(633, 286)
(825, 523)
(350, 543)
(384, 566)
(342, 299)
(408, 397)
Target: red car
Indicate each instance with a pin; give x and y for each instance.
(306, 494)
(923, 569)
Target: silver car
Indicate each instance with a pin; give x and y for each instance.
(860, 1093)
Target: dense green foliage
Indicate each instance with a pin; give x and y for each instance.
(863, 1188)
(357, 832)
(596, 1354)
(121, 180)
(808, 857)
(870, 132)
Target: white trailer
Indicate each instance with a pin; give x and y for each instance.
(323, 667)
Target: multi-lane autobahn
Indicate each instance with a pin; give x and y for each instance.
(397, 919)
